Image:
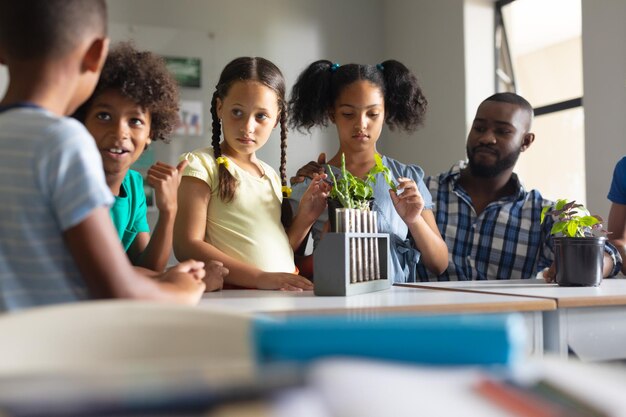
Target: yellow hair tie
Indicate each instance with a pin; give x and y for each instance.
(286, 191)
(221, 160)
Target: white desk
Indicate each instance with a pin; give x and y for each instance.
(590, 321)
(393, 300)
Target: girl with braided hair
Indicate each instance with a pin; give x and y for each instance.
(229, 200)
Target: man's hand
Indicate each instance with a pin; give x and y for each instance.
(310, 170)
(549, 274)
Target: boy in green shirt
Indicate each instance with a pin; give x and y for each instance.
(134, 103)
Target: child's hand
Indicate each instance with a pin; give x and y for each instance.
(214, 278)
(188, 277)
(310, 170)
(194, 268)
(313, 202)
(283, 281)
(165, 180)
(409, 204)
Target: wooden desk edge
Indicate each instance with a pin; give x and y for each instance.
(608, 300)
(498, 307)
(603, 301)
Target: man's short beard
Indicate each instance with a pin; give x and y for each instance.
(491, 171)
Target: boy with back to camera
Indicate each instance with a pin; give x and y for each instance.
(57, 242)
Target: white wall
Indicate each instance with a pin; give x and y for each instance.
(604, 78)
(427, 36)
(291, 33)
(479, 55)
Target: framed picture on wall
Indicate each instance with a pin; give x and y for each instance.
(190, 118)
(187, 71)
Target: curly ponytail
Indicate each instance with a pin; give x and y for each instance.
(311, 96)
(405, 103)
(319, 85)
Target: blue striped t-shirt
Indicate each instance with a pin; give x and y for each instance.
(51, 178)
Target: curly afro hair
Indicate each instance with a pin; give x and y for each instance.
(143, 77)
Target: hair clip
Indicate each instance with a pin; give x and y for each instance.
(380, 67)
(286, 191)
(334, 67)
(222, 160)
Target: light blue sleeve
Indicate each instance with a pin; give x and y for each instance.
(70, 173)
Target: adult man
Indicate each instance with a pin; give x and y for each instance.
(490, 223)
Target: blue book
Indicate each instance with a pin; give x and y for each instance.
(438, 340)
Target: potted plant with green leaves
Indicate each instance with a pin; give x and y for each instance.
(578, 244)
(352, 192)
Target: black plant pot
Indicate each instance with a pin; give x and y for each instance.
(332, 217)
(579, 261)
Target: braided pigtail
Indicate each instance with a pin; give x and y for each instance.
(405, 103)
(286, 214)
(283, 153)
(227, 183)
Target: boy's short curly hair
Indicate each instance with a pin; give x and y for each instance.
(143, 77)
(44, 29)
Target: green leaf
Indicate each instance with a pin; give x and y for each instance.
(543, 213)
(572, 228)
(573, 220)
(558, 227)
(588, 221)
(351, 191)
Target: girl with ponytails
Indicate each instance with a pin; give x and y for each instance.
(229, 201)
(358, 100)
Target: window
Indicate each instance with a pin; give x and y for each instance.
(539, 56)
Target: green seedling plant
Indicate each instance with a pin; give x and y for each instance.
(353, 192)
(572, 219)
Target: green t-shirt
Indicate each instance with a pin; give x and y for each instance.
(129, 210)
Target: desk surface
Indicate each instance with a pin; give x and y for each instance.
(610, 292)
(395, 299)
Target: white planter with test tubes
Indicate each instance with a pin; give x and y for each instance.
(354, 259)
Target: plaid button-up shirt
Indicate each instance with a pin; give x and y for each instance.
(506, 241)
